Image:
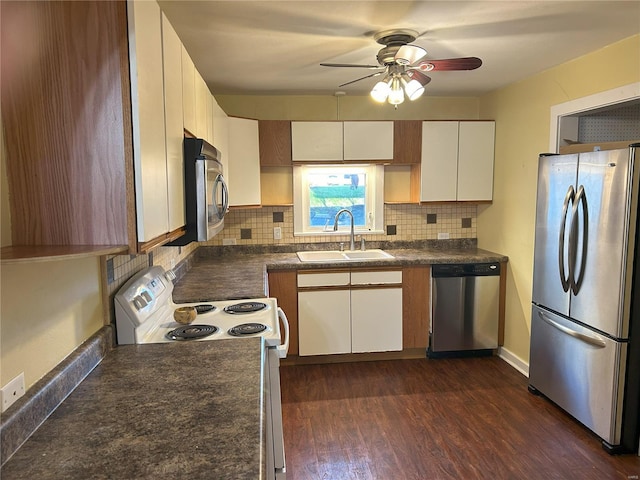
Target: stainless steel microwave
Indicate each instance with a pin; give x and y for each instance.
(206, 192)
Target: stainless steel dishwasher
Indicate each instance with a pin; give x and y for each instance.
(464, 309)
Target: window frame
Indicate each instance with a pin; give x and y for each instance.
(374, 199)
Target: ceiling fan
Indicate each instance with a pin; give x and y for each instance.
(403, 65)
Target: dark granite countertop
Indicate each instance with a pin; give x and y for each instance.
(233, 273)
(170, 411)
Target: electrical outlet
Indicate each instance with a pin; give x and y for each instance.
(277, 233)
(443, 236)
(228, 241)
(12, 391)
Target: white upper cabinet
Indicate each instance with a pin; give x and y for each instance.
(368, 140)
(188, 92)
(203, 100)
(243, 162)
(316, 141)
(172, 63)
(439, 172)
(338, 141)
(457, 161)
(475, 160)
(221, 135)
(147, 102)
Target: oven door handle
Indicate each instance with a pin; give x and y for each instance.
(282, 349)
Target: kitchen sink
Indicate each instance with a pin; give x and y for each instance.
(346, 256)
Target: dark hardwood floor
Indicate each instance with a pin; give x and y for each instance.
(433, 419)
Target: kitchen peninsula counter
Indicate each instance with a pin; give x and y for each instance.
(170, 411)
(220, 273)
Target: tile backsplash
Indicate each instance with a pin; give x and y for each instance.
(402, 222)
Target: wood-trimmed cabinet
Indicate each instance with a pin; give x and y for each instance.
(243, 162)
(68, 159)
(457, 161)
(333, 141)
(349, 311)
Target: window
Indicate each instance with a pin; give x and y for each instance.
(320, 192)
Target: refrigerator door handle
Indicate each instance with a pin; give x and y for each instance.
(565, 279)
(590, 339)
(580, 200)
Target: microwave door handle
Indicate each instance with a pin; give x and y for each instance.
(225, 197)
(218, 212)
(564, 279)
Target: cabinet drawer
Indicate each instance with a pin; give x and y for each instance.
(329, 279)
(376, 278)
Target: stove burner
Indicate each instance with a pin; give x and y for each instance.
(245, 307)
(247, 329)
(190, 332)
(204, 308)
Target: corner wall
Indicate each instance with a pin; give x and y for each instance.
(522, 114)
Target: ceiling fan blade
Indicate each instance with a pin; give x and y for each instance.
(419, 76)
(350, 65)
(409, 54)
(361, 78)
(465, 63)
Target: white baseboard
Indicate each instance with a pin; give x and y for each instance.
(515, 361)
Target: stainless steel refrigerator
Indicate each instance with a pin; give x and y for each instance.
(584, 352)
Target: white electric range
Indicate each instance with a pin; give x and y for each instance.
(145, 309)
(144, 314)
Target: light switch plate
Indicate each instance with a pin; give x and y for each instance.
(277, 233)
(12, 391)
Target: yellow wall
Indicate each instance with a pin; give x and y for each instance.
(327, 107)
(522, 114)
(47, 309)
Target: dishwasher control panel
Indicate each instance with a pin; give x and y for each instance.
(464, 269)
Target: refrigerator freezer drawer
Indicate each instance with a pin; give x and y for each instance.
(580, 370)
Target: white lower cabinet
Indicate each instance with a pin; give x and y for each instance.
(324, 322)
(349, 312)
(376, 320)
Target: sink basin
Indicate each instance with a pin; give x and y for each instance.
(367, 255)
(346, 256)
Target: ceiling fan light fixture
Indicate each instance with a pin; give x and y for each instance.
(413, 89)
(380, 91)
(396, 95)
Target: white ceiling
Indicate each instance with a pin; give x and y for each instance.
(275, 47)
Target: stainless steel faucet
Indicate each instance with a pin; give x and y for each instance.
(335, 226)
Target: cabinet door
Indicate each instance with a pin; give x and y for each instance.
(188, 92)
(475, 160)
(221, 136)
(202, 100)
(439, 170)
(316, 141)
(324, 325)
(275, 143)
(244, 162)
(172, 56)
(210, 122)
(368, 140)
(376, 320)
(407, 141)
(147, 98)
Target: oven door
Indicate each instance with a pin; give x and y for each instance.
(276, 465)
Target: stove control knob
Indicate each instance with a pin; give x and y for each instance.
(139, 302)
